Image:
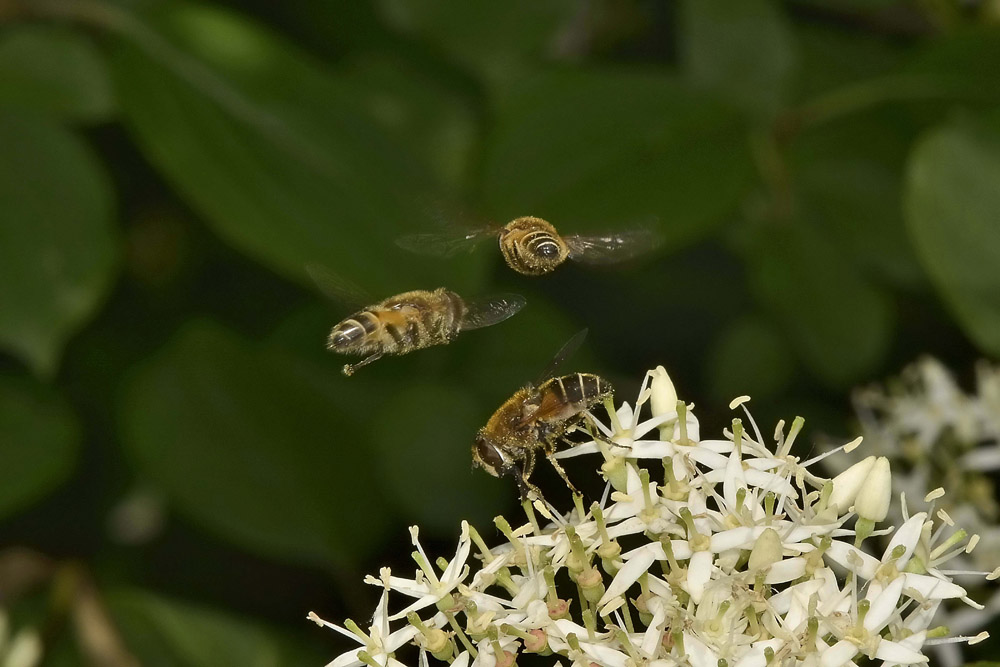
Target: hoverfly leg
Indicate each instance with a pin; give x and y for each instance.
(351, 369)
(529, 463)
(525, 487)
(597, 436)
(550, 454)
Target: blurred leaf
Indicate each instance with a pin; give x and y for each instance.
(418, 111)
(258, 450)
(165, 633)
(427, 466)
(607, 147)
(54, 70)
(749, 358)
(955, 65)
(742, 50)
(494, 39)
(57, 246)
(831, 57)
(282, 159)
(858, 203)
(39, 437)
(952, 206)
(839, 324)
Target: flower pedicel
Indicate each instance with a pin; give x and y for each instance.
(733, 553)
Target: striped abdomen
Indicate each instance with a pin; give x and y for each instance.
(532, 246)
(565, 397)
(401, 324)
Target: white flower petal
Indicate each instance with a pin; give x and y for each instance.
(883, 606)
(698, 654)
(785, 570)
(907, 535)
(932, 588)
(634, 567)
(898, 654)
(699, 573)
(853, 559)
(838, 654)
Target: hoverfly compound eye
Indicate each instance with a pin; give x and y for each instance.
(548, 250)
(489, 457)
(346, 334)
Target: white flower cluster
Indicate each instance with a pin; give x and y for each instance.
(740, 557)
(936, 435)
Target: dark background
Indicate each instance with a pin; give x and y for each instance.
(173, 434)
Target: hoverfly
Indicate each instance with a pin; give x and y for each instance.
(537, 418)
(533, 247)
(409, 321)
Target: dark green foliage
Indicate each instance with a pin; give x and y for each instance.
(826, 178)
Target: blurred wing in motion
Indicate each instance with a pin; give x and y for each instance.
(337, 288)
(614, 247)
(447, 243)
(491, 310)
(568, 348)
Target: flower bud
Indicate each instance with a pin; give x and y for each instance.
(663, 396)
(766, 551)
(847, 484)
(873, 499)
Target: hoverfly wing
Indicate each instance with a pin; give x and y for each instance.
(445, 244)
(614, 247)
(568, 348)
(337, 288)
(487, 311)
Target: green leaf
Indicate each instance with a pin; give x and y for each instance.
(750, 358)
(418, 111)
(166, 633)
(953, 66)
(952, 204)
(495, 39)
(255, 448)
(283, 160)
(613, 147)
(742, 50)
(831, 57)
(427, 469)
(839, 324)
(39, 437)
(54, 70)
(58, 249)
(858, 203)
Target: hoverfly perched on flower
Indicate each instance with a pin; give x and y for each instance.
(533, 247)
(409, 321)
(537, 418)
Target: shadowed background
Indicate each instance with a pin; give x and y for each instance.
(826, 176)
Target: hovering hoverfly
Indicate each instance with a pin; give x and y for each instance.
(408, 321)
(532, 246)
(537, 418)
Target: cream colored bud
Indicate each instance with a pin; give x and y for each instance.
(847, 484)
(872, 501)
(663, 396)
(25, 649)
(766, 551)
